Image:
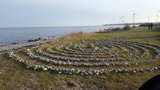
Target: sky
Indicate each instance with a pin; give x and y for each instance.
(43, 13)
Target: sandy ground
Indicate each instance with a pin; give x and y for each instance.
(20, 45)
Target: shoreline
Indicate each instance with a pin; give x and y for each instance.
(39, 42)
(21, 45)
(15, 46)
(53, 32)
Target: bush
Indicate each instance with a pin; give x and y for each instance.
(126, 27)
(134, 26)
(72, 84)
(38, 39)
(30, 40)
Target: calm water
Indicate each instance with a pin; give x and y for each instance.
(17, 35)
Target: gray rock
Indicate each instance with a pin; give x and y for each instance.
(1, 73)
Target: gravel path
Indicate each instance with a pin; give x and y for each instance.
(20, 45)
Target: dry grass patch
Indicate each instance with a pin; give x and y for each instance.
(76, 35)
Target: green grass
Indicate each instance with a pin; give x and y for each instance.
(140, 34)
(16, 76)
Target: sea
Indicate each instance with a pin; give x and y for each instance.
(23, 34)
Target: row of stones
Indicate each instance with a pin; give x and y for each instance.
(104, 56)
(93, 60)
(65, 61)
(58, 61)
(82, 50)
(76, 71)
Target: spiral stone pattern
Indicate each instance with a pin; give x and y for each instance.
(91, 57)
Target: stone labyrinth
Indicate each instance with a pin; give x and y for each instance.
(90, 57)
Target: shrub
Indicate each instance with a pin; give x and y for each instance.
(40, 39)
(75, 35)
(72, 84)
(126, 27)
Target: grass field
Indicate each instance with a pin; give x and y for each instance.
(137, 41)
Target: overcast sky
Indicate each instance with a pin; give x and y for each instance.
(30, 13)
